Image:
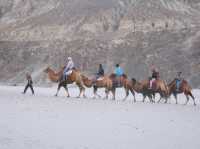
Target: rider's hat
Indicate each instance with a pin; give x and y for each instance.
(69, 58)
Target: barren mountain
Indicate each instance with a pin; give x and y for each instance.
(35, 34)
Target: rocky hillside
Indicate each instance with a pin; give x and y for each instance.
(35, 34)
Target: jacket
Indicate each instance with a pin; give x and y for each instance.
(119, 71)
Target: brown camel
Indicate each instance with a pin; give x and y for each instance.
(143, 88)
(104, 82)
(74, 77)
(119, 82)
(184, 88)
(140, 87)
(54, 76)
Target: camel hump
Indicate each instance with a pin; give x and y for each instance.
(185, 84)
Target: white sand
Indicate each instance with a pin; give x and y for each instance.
(47, 122)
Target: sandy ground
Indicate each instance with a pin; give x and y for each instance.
(47, 122)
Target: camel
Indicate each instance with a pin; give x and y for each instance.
(143, 88)
(109, 83)
(184, 88)
(54, 76)
(74, 77)
(140, 87)
(124, 82)
(103, 82)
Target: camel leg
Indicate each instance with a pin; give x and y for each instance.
(58, 89)
(153, 97)
(159, 100)
(95, 88)
(98, 94)
(150, 98)
(192, 98)
(187, 97)
(133, 93)
(166, 99)
(107, 93)
(113, 92)
(127, 93)
(66, 89)
(162, 95)
(82, 92)
(144, 96)
(95, 92)
(175, 96)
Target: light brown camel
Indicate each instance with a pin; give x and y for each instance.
(75, 77)
(184, 88)
(54, 76)
(104, 82)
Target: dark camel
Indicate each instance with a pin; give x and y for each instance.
(143, 88)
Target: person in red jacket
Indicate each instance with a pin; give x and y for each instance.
(154, 76)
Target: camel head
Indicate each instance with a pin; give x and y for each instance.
(47, 70)
(134, 81)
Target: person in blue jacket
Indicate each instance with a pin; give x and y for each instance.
(178, 80)
(118, 71)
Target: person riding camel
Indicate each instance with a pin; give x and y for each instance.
(178, 80)
(68, 68)
(118, 72)
(154, 77)
(100, 72)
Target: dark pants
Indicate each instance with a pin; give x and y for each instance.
(27, 86)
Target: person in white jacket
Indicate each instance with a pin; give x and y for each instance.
(68, 68)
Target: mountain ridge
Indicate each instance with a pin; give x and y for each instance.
(135, 33)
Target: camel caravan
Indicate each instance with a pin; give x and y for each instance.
(148, 88)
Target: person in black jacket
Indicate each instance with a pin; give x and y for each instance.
(100, 72)
(29, 83)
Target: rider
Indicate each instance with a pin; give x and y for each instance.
(100, 72)
(178, 80)
(68, 68)
(118, 72)
(155, 75)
